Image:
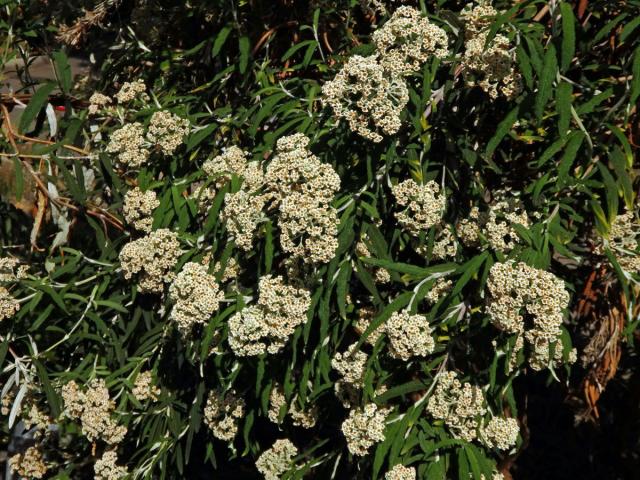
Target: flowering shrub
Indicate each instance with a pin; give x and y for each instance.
(313, 239)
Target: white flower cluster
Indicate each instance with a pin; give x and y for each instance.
(366, 315)
(369, 93)
(132, 90)
(495, 65)
(106, 469)
(138, 207)
(233, 161)
(11, 271)
(440, 289)
(196, 296)
(500, 433)
(409, 336)
(94, 408)
(400, 472)
(243, 212)
(424, 205)
(167, 130)
(351, 365)
(367, 97)
(496, 224)
(299, 417)
(529, 301)
(129, 143)
(9, 306)
(302, 188)
(364, 427)
(97, 102)
(266, 327)
(144, 388)
(29, 464)
(623, 242)
(152, 258)
(459, 405)
(277, 460)
(223, 413)
(407, 40)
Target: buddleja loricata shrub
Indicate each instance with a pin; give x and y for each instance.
(335, 245)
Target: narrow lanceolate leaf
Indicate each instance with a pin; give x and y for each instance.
(635, 77)
(63, 70)
(568, 36)
(545, 82)
(38, 100)
(571, 150)
(244, 53)
(563, 104)
(503, 128)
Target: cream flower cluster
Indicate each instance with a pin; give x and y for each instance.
(366, 315)
(29, 464)
(369, 93)
(144, 388)
(351, 366)
(132, 147)
(222, 414)
(94, 408)
(495, 65)
(132, 90)
(367, 97)
(267, 326)
(364, 427)
(129, 143)
(299, 417)
(409, 336)
(196, 296)
(9, 306)
(167, 130)
(302, 188)
(424, 205)
(400, 472)
(529, 301)
(11, 271)
(495, 225)
(459, 405)
(138, 207)
(243, 212)
(277, 460)
(97, 102)
(152, 259)
(500, 433)
(623, 241)
(407, 40)
(106, 469)
(233, 161)
(440, 289)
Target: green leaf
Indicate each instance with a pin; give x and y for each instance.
(568, 36)
(197, 137)
(38, 100)
(571, 150)
(244, 45)
(63, 70)
(545, 82)
(629, 28)
(635, 77)
(503, 128)
(563, 103)
(220, 40)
